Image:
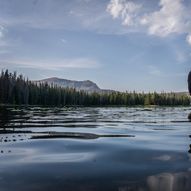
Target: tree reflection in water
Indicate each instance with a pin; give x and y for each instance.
(54, 136)
(170, 182)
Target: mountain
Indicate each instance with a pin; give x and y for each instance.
(85, 85)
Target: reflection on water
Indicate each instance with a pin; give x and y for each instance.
(94, 149)
(170, 182)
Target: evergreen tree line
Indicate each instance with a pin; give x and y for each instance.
(17, 90)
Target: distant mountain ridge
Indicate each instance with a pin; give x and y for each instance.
(85, 85)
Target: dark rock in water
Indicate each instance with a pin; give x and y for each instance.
(189, 117)
(76, 135)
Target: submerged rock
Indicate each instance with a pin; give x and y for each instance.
(54, 135)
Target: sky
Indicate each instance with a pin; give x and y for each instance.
(125, 45)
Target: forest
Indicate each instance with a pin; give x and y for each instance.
(15, 89)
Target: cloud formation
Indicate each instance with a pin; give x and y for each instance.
(78, 63)
(188, 38)
(1, 31)
(3, 41)
(172, 17)
(126, 10)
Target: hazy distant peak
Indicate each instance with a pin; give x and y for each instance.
(85, 85)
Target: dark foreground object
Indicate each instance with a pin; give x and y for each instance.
(189, 82)
(190, 149)
(189, 117)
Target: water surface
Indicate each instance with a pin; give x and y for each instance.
(91, 149)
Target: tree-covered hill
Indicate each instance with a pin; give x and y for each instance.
(15, 89)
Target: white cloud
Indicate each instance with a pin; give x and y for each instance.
(3, 41)
(78, 63)
(126, 10)
(157, 72)
(2, 29)
(171, 17)
(188, 39)
(153, 70)
(115, 7)
(63, 40)
(181, 56)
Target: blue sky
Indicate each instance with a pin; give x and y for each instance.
(140, 45)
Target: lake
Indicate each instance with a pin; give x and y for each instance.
(95, 149)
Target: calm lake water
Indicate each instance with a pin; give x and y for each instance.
(95, 149)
